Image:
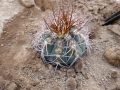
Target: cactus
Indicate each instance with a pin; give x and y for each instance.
(63, 38)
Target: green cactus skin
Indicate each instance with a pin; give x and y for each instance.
(62, 51)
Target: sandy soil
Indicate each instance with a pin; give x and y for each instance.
(7, 10)
(21, 67)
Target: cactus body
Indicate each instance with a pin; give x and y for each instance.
(61, 50)
(63, 39)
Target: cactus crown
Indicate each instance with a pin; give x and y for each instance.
(62, 22)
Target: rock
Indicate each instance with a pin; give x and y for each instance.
(71, 83)
(96, 9)
(56, 88)
(12, 86)
(63, 69)
(26, 3)
(3, 82)
(35, 82)
(92, 35)
(71, 73)
(41, 4)
(44, 4)
(23, 89)
(0, 61)
(2, 45)
(79, 88)
(116, 88)
(114, 74)
(10, 43)
(112, 55)
(1, 79)
(2, 38)
(115, 29)
(37, 55)
(84, 73)
(22, 17)
(7, 73)
(78, 66)
(34, 88)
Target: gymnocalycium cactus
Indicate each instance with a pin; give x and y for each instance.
(63, 39)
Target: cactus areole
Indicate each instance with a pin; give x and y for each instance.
(62, 40)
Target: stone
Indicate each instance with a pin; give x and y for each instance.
(34, 88)
(112, 55)
(96, 9)
(56, 88)
(116, 88)
(3, 82)
(71, 83)
(2, 45)
(10, 43)
(22, 17)
(115, 29)
(37, 55)
(23, 89)
(114, 74)
(50, 67)
(4, 32)
(78, 66)
(45, 4)
(84, 73)
(0, 61)
(26, 3)
(12, 86)
(2, 38)
(35, 82)
(7, 73)
(71, 73)
(92, 35)
(1, 79)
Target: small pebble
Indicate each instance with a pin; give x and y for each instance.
(4, 32)
(0, 61)
(22, 17)
(71, 73)
(34, 88)
(37, 55)
(31, 19)
(103, 79)
(85, 75)
(26, 3)
(56, 88)
(35, 83)
(112, 55)
(114, 74)
(71, 83)
(2, 45)
(12, 86)
(10, 43)
(2, 38)
(78, 66)
(18, 34)
(117, 88)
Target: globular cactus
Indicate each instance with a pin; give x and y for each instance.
(63, 39)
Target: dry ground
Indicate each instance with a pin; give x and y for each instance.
(20, 64)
